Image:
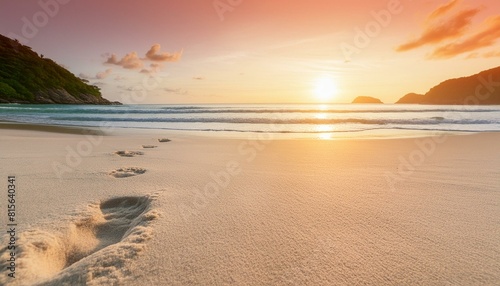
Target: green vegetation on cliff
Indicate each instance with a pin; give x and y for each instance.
(26, 77)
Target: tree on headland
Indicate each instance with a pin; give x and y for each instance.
(27, 77)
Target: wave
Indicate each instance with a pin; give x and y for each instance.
(218, 110)
(263, 118)
(312, 121)
(322, 132)
(277, 131)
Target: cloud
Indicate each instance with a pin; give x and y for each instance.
(99, 75)
(133, 61)
(451, 31)
(129, 61)
(452, 28)
(198, 78)
(84, 76)
(491, 54)
(154, 54)
(103, 74)
(154, 67)
(178, 91)
(485, 37)
(474, 55)
(127, 88)
(443, 9)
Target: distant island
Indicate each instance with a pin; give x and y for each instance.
(366, 99)
(26, 77)
(479, 89)
(411, 98)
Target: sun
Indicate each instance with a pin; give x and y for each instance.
(325, 89)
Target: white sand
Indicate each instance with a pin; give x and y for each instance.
(251, 212)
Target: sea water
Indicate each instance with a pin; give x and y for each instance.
(293, 119)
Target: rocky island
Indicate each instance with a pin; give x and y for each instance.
(366, 99)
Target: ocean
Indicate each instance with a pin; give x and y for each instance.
(296, 120)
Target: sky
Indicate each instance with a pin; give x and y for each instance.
(254, 51)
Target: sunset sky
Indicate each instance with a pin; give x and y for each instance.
(253, 51)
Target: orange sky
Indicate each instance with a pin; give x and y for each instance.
(252, 51)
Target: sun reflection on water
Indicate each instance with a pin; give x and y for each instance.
(325, 132)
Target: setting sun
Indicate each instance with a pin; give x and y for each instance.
(325, 89)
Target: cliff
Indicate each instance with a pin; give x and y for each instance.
(26, 77)
(479, 89)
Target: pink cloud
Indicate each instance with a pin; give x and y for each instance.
(99, 75)
(450, 29)
(103, 74)
(443, 9)
(154, 54)
(133, 61)
(129, 61)
(487, 36)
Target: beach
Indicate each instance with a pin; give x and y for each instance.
(258, 210)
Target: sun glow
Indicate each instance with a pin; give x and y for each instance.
(325, 131)
(325, 89)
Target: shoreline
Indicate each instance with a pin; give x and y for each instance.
(380, 134)
(283, 122)
(63, 129)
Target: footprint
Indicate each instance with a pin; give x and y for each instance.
(127, 172)
(129, 153)
(94, 248)
(164, 140)
(149, 146)
(109, 226)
